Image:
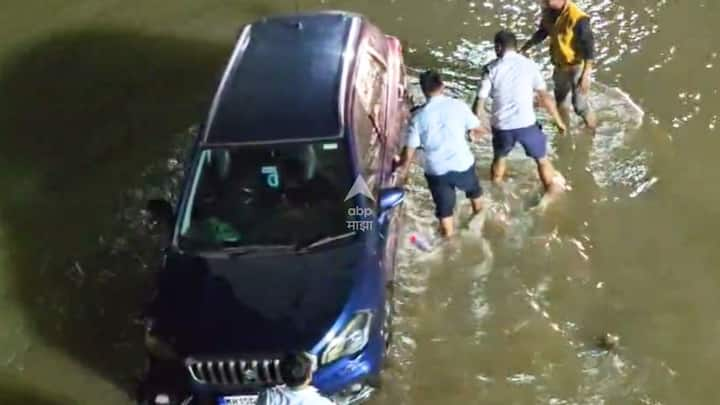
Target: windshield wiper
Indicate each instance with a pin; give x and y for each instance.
(247, 249)
(324, 241)
(239, 250)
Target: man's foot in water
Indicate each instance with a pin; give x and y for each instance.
(447, 227)
(557, 187)
(476, 220)
(591, 123)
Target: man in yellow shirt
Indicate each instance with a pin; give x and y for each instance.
(572, 52)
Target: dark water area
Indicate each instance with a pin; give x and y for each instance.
(94, 119)
(99, 101)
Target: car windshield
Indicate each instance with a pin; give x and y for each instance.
(269, 195)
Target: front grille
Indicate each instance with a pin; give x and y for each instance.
(236, 372)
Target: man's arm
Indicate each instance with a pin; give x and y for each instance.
(548, 102)
(585, 46)
(412, 142)
(473, 126)
(545, 98)
(406, 157)
(478, 111)
(537, 38)
(478, 108)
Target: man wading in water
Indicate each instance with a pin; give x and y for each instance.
(441, 127)
(511, 81)
(572, 52)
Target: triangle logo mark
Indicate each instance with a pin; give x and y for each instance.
(359, 187)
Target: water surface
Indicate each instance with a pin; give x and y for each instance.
(98, 100)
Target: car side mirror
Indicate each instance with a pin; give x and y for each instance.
(390, 198)
(162, 212)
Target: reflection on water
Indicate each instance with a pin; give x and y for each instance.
(620, 28)
(94, 121)
(455, 319)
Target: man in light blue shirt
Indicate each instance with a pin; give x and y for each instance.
(440, 128)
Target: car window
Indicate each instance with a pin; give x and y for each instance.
(267, 195)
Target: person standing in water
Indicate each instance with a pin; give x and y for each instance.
(512, 80)
(572, 50)
(440, 127)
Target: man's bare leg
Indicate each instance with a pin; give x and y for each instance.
(447, 226)
(582, 106)
(547, 174)
(563, 86)
(497, 170)
(553, 181)
(477, 205)
(590, 121)
(553, 186)
(564, 112)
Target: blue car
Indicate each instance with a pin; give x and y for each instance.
(285, 234)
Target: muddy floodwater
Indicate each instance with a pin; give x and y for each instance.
(99, 99)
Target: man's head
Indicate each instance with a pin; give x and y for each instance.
(431, 83)
(504, 41)
(296, 369)
(555, 5)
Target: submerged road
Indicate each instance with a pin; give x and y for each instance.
(98, 100)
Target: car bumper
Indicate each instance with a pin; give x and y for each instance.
(347, 381)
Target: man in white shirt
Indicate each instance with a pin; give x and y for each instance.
(440, 127)
(296, 369)
(512, 80)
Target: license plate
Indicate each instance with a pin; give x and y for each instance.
(238, 400)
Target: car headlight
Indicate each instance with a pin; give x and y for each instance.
(157, 346)
(353, 338)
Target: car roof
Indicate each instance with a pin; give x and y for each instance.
(286, 81)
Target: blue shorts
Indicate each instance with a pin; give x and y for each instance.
(532, 138)
(443, 188)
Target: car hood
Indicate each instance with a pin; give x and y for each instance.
(253, 304)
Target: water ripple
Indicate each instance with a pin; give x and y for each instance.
(620, 169)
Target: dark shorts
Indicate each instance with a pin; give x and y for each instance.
(443, 188)
(532, 139)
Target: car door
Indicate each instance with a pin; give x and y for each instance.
(375, 90)
(370, 115)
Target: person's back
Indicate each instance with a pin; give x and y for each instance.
(296, 369)
(441, 128)
(514, 79)
(442, 131)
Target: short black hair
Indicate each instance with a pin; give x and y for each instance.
(295, 369)
(430, 80)
(505, 39)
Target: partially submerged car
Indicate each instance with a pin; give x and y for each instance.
(284, 237)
